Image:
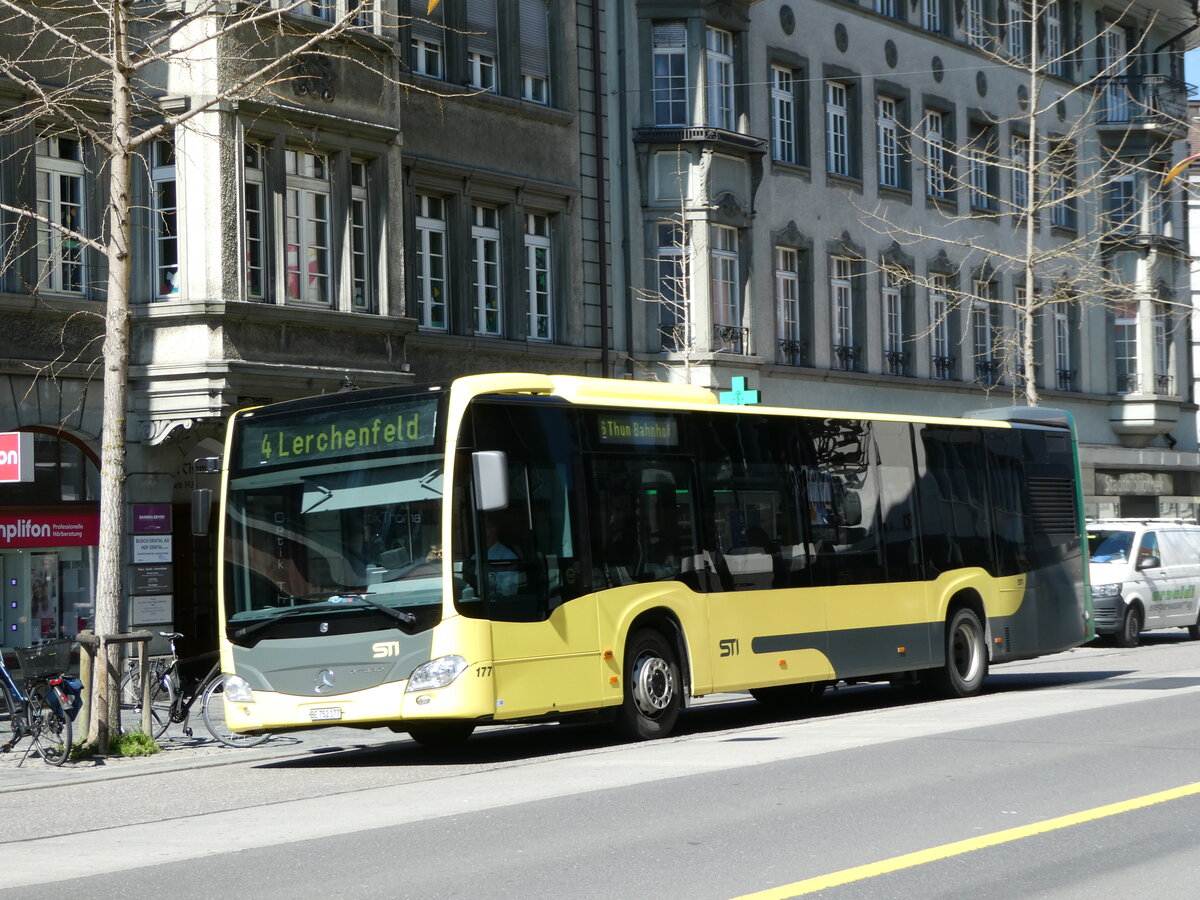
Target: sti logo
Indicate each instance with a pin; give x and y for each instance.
(16, 457)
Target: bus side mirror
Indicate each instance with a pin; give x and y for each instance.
(201, 511)
(490, 468)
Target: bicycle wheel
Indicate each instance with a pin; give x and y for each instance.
(51, 727)
(162, 698)
(8, 718)
(212, 708)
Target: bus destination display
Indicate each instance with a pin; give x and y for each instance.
(623, 428)
(397, 426)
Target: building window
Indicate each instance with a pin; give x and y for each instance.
(1062, 349)
(1125, 350)
(931, 15)
(842, 301)
(670, 74)
(893, 324)
(939, 327)
(427, 38)
(1114, 65)
(935, 154)
(1120, 205)
(482, 45)
(837, 128)
(1019, 160)
(255, 224)
(1018, 23)
(888, 142)
(485, 241)
(361, 291)
(1053, 29)
(975, 27)
(61, 214)
(982, 332)
(783, 114)
(431, 261)
(534, 18)
(886, 7)
(674, 320)
(981, 167)
(306, 212)
(1162, 351)
(164, 219)
(719, 70)
(1061, 190)
(726, 297)
(787, 305)
(537, 277)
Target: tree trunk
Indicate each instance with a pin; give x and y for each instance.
(109, 576)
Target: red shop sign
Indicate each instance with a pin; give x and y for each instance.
(16, 457)
(81, 529)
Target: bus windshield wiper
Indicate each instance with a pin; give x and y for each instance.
(404, 618)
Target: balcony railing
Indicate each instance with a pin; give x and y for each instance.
(1065, 378)
(1128, 382)
(942, 367)
(1144, 100)
(793, 352)
(845, 357)
(673, 338)
(986, 371)
(895, 362)
(730, 339)
(1164, 385)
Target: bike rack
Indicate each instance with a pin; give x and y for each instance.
(93, 645)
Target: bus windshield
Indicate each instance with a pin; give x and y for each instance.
(355, 537)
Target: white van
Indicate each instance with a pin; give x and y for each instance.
(1145, 574)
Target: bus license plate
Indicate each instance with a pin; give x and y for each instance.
(325, 714)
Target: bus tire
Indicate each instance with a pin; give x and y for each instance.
(653, 694)
(966, 656)
(793, 696)
(440, 735)
(1131, 627)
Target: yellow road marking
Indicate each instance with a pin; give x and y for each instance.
(957, 848)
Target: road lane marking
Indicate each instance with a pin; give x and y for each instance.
(958, 848)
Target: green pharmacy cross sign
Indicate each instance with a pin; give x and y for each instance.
(737, 395)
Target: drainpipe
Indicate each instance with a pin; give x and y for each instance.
(599, 108)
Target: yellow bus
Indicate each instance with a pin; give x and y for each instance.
(517, 547)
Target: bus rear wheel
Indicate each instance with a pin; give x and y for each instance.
(652, 688)
(440, 735)
(966, 657)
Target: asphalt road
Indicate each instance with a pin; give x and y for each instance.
(1024, 791)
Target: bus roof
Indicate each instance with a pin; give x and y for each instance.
(592, 391)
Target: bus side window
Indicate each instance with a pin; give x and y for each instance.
(952, 487)
(897, 481)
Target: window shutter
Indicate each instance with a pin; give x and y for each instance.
(670, 34)
(535, 38)
(427, 27)
(481, 23)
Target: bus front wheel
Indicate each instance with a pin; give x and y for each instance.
(652, 688)
(966, 656)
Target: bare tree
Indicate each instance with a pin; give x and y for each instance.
(100, 74)
(1069, 196)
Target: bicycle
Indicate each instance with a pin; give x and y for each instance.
(37, 707)
(172, 696)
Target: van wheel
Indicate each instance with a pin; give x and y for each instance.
(653, 696)
(1194, 630)
(966, 657)
(1131, 628)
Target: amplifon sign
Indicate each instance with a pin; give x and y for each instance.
(80, 529)
(16, 457)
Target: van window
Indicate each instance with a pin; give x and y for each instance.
(1148, 546)
(1110, 546)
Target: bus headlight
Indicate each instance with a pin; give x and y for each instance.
(436, 673)
(237, 690)
(1106, 590)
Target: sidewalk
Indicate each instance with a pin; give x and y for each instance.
(181, 752)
